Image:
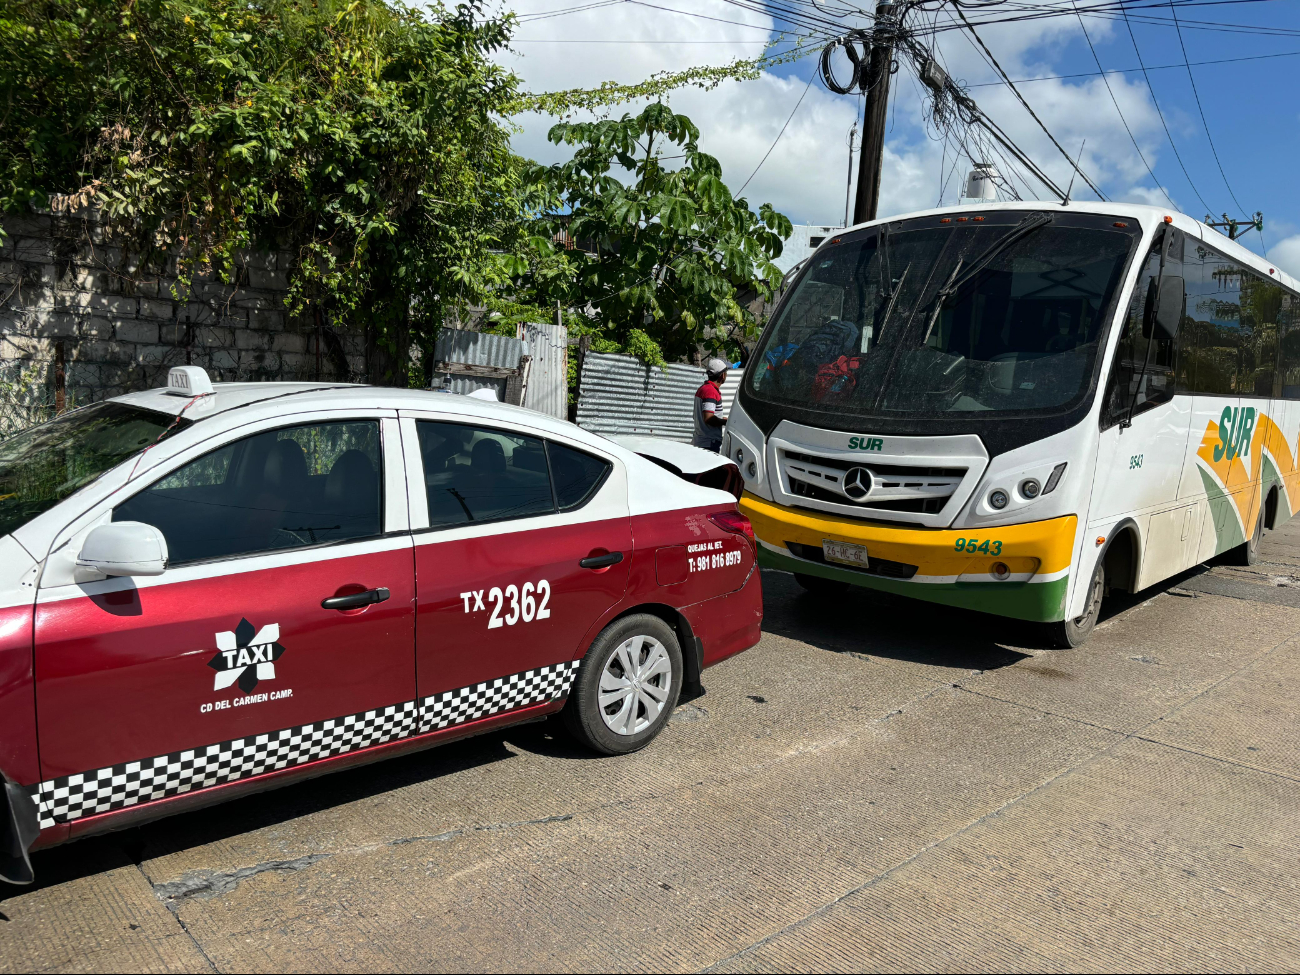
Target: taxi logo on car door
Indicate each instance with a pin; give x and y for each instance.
(246, 656)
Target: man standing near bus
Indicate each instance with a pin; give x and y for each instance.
(708, 401)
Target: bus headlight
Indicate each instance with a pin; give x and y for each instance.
(1029, 488)
(998, 499)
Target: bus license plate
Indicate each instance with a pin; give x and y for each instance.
(845, 552)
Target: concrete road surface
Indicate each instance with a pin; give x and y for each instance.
(880, 784)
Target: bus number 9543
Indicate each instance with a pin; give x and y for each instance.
(975, 545)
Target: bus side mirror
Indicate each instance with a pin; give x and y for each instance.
(1164, 317)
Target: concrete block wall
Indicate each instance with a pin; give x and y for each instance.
(72, 302)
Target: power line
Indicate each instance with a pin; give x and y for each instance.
(1144, 68)
(1156, 103)
(560, 12)
(1115, 102)
(1010, 84)
(1192, 79)
(779, 134)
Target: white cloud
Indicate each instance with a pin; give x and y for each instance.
(804, 176)
(1286, 255)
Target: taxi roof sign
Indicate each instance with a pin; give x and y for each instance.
(188, 381)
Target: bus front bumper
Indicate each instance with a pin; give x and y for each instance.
(955, 568)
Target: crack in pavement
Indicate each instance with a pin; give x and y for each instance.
(179, 920)
(205, 884)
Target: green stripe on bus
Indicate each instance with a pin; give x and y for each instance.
(1038, 601)
(1227, 523)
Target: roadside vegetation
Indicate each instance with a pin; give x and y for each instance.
(372, 141)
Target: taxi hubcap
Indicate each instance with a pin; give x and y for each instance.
(635, 685)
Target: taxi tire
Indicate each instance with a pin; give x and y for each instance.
(581, 715)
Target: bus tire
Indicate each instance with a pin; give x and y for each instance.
(821, 587)
(1068, 634)
(1247, 553)
(643, 647)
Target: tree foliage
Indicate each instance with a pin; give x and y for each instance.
(365, 137)
(673, 254)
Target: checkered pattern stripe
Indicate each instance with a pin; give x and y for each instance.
(495, 697)
(71, 797)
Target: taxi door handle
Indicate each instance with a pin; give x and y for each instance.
(601, 561)
(355, 600)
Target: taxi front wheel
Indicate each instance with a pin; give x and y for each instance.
(627, 686)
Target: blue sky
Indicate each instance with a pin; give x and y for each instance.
(1252, 118)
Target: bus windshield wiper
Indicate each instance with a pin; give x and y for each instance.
(893, 294)
(955, 284)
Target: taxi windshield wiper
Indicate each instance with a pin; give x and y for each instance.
(955, 284)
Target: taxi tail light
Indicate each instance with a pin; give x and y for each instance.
(736, 523)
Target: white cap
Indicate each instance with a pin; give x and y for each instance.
(716, 365)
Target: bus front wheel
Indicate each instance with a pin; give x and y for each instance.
(1068, 634)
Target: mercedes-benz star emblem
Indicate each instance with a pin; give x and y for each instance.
(857, 483)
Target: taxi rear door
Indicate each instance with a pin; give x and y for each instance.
(228, 664)
(521, 543)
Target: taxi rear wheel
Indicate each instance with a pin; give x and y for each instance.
(627, 686)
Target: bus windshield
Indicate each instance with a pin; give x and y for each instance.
(941, 315)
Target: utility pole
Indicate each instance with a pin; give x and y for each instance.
(875, 114)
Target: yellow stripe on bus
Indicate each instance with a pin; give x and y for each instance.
(935, 552)
(1233, 474)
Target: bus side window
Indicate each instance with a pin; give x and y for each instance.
(1213, 340)
(1288, 326)
(1261, 307)
(1127, 387)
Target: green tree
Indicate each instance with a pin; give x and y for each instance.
(675, 254)
(364, 136)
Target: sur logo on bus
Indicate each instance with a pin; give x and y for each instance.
(865, 443)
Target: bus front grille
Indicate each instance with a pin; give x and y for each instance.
(889, 487)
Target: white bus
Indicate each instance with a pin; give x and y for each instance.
(1017, 407)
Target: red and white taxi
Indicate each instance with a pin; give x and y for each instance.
(212, 590)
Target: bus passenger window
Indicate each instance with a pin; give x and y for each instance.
(1288, 329)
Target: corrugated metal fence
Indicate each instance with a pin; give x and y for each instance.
(548, 379)
(620, 394)
(476, 349)
(535, 369)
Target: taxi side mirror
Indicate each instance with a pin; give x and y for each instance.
(125, 548)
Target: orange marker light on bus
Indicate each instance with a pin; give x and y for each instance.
(945, 220)
(1121, 226)
(1168, 219)
(1101, 539)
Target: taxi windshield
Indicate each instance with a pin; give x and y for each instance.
(42, 465)
(996, 312)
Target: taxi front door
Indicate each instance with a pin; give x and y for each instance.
(228, 665)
